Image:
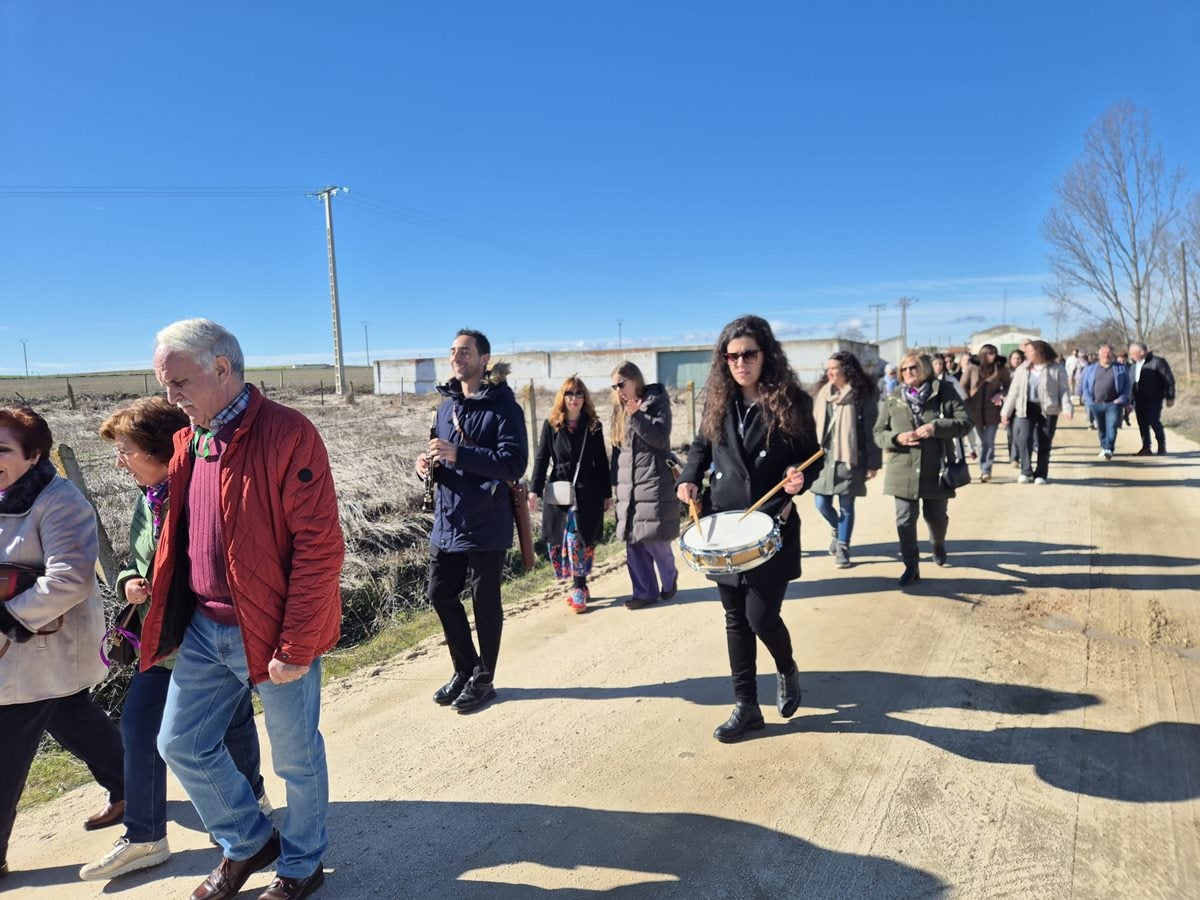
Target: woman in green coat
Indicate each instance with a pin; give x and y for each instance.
(916, 430)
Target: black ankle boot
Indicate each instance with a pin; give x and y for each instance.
(787, 697)
(745, 717)
(912, 574)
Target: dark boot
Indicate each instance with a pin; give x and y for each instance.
(841, 557)
(939, 553)
(787, 695)
(745, 717)
(912, 574)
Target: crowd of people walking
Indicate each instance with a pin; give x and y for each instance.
(236, 548)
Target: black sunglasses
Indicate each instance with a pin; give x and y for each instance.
(573, 395)
(910, 368)
(748, 355)
(620, 384)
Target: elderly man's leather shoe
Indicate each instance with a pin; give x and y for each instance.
(911, 575)
(448, 692)
(283, 888)
(227, 879)
(477, 694)
(745, 717)
(112, 814)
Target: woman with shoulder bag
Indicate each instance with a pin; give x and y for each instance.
(571, 475)
(917, 432)
(51, 620)
(1039, 393)
(141, 437)
(756, 429)
(647, 514)
(846, 408)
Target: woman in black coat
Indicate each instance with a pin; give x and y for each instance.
(757, 428)
(571, 451)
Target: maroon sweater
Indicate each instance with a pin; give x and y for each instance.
(206, 545)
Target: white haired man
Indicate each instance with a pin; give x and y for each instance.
(247, 586)
(1153, 384)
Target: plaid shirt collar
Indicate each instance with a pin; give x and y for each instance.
(229, 413)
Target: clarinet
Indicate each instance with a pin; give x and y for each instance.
(428, 503)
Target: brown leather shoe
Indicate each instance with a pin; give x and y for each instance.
(294, 888)
(112, 814)
(227, 878)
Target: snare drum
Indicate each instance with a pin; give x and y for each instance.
(725, 543)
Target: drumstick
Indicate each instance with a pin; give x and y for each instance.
(773, 491)
(695, 513)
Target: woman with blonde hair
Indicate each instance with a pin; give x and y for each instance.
(571, 475)
(647, 514)
(916, 431)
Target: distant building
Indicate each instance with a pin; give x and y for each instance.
(1006, 338)
(672, 366)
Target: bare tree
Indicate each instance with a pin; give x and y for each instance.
(1063, 305)
(1108, 230)
(1183, 300)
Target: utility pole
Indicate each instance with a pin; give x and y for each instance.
(904, 303)
(339, 363)
(619, 323)
(877, 307)
(1187, 314)
(25, 352)
(367, 341)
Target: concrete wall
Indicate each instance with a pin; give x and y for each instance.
(594, 367)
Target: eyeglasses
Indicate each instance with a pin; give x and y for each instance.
(910, 369)
(123, 453)
(747, 355)
(620, 384)
(573, 395)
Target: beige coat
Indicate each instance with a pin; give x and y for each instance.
(1056, 395)
(57, 533)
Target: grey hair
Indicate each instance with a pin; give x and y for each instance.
(1106, 344)
(202, 340)
(1140, 346)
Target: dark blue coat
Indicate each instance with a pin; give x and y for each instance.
(474, 506)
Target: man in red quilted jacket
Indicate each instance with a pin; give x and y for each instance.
(247, 586)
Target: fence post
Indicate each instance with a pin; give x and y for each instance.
(106, 563)
(71, 395)
(322, 389)
(533, 422)
(350, 394)
(281, 379)
(691, 393)
(145, 384)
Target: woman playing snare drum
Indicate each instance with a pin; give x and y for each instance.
(757, 427)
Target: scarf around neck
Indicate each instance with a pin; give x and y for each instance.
(917, 398)
(19, 496)
(842, 427)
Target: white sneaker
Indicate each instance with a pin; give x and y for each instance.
(1023, 479)
(1040, 481)
(1103, 454)
(1108, 454)
(126, 857)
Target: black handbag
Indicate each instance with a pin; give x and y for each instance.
(955, 473)
(121, 642)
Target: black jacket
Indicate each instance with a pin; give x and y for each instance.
(558, 452)
(1156, 383)
(746, 468)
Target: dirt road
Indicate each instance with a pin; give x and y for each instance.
(1024, 724)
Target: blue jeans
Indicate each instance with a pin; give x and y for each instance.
(840, 520)
(987, 447)
(145, 771)
(206, 688)
(1108, 419)
(641, 559)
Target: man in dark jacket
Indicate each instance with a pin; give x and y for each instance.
(480, 445)
(1153, 384)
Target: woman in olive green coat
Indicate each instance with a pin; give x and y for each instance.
(916, 430)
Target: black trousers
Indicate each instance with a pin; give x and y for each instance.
(936, 517)
(753, 611)
(1149, 413)
(74, 721)
(1035, 433)
(447, 577)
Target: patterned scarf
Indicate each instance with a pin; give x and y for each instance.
(18, 497)
(156, 500)
(916, 399)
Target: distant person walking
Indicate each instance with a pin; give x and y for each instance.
(845, 409)
(1153, 385)
(480, 446)
(984, 385)
(1104, 389)
(1037, 396)
(572, 460)
(757, 426)
(647, 514)
(917, 432)
(1015, 358)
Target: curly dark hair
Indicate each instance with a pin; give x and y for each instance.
(853, 372)
(778, 387)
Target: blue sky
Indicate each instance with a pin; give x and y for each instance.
(543, 170)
